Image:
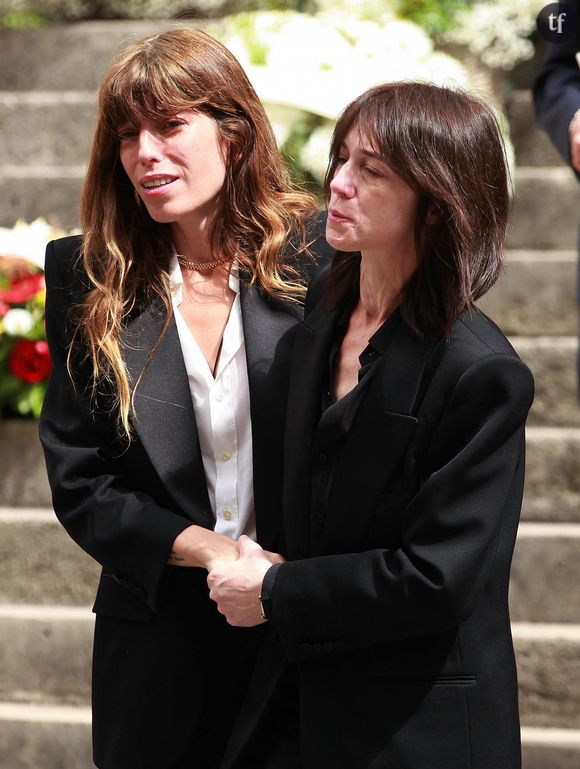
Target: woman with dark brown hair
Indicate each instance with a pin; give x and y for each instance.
(390, 644)
(163, 418)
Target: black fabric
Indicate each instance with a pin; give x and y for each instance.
(169, 674)
(393, 603)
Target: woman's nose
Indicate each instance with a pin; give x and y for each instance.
(149, 146)
(342, 182)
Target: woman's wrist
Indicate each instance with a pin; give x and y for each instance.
(198, 547)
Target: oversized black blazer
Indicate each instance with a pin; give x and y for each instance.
(394, 600)
(556, 89)
(125, 504)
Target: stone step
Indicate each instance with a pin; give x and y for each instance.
(39, 563)
(45, 737)
(545, 574)
(46, 661)
(550, 748)
(49, 192)
(531, 143)
(46, 128)
(67, 57)
(23, 481)
(536, 294)
(552, 360)
(45, 654)
(552, 487)
(545, 209)
(42, 737)
(548, 661)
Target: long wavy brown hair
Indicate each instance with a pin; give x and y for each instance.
(125, 253)
(447, 146)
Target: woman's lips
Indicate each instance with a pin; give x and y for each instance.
(157, 185)
(337, 216)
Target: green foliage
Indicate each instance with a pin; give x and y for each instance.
(22, 20)
(292, 150)
(302, 6)
(35, 13)
(434, 16)
(21, 13)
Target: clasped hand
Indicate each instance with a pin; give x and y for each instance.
(236, 586)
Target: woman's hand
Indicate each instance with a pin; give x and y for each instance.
(236, 587)
(196, 546)
(274, 557)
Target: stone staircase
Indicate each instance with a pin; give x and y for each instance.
(47, 95)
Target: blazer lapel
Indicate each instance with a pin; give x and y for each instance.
(372, 458)
(163, 416)
(310, 359)
(268, 335)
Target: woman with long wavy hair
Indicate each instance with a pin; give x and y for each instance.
(163, 418)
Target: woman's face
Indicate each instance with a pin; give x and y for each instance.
(371, 209)
(177, 164)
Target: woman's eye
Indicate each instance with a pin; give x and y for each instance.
(127, 132)
(371, 171)
(340, 160)
(171, 125)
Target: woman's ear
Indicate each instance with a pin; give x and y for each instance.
(433, 215)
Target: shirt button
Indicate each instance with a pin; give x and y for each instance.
(322, 458)
(227, 514)
(219, 396)
(226, 455)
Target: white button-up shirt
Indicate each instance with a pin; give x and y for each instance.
(221, 404)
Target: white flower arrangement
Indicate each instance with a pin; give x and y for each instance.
(497, 30)
(28, 240)
(315, 65)
(17, 322)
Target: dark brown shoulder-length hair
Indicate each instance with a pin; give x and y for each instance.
(447, 146)
(124, 251)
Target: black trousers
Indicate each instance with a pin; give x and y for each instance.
(277, 744)
(166, 692)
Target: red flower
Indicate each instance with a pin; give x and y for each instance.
(3, 308)
(30, 361)
(22, 289)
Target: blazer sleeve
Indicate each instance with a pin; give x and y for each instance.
(471, 472)
(556, 89)
(121, 527)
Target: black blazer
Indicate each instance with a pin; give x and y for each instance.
(556, 88)
(158, 636)
(394, 603)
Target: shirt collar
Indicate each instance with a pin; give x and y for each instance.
(176, 280)
(381, 339)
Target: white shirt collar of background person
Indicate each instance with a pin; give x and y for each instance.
(222, 414)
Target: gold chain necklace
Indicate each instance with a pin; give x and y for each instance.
(200, 266)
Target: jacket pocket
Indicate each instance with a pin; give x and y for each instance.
(444, 680)
(115, 600)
